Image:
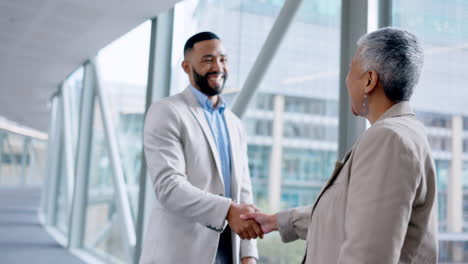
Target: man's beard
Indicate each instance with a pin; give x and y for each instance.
(202, 83)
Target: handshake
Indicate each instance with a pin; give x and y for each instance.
(248, 222)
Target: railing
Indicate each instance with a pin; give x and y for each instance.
(22, 156)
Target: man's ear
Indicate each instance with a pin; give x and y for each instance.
(185, 66)
(371, 79)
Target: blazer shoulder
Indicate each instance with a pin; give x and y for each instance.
(167, 102)
(164, 110)
(397, 133)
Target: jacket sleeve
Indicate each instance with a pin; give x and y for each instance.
(248, 248)
(163, 145)
(294, 223)
(384, 179)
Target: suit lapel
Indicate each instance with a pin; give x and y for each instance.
(234, 148)
(338, 166)
(199, 115)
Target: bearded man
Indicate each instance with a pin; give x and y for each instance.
(196, 153)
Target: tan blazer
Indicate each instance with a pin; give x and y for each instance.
(380, 204)
(183, 162)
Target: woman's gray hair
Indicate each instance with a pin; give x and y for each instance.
(397, 57)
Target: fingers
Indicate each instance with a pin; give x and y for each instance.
(257, 229)
(251, 232)
(244, 235)
(248, 229)
(244, 221)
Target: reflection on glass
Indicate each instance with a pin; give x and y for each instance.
(73, 86)
(102, 236)
(298, 96)
(22, 159)
(62, 194)
(11, 150)
(36, 162)
(124, 67)
(440, 103)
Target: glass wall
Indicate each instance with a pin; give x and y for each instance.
(101, 215)
(440, 100)
(22, 158)
(295, 110)
(36, 162)
(71, 105)
(302, 80)
(11, 158)
(123, 69)
(62, 198)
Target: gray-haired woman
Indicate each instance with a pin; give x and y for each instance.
(379, 205)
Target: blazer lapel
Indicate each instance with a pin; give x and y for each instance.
(199, 115)
(234, 148)
(338, 166)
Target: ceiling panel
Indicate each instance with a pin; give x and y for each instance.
(42, 41)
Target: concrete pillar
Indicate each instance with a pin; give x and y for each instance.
(353, 26)
(276, 159)
(455, 187)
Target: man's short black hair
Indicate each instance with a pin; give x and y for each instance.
(197, 38)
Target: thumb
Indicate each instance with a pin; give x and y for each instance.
(247, 216)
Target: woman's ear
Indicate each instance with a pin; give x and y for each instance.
(372, 79)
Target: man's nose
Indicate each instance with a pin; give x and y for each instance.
(218, 66)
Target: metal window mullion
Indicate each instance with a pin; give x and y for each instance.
(266, 55)
(353, 26)
(54, 169)
(123, 203)
(158, 86)
(50, 139)
(68, 145)
(83, 158)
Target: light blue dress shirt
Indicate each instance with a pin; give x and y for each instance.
(217, 122)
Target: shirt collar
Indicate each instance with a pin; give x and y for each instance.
(206, 103)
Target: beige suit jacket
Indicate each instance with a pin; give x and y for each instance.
(380, 204)
(183, 162)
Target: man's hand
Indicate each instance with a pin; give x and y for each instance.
(268, 223)
(246, 229)
(249, 260)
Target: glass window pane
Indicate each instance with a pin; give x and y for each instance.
(124, 73)
(37, 162)
(12, 157)
(100, 236)
(440, 101)
(62, 195)
(302, 80)
(74, 86)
